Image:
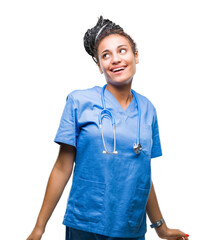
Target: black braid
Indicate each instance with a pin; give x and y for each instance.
(91, 34)
(103, 28)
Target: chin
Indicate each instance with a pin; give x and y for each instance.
(119, 82)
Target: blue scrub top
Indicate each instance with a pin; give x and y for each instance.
(109, 191)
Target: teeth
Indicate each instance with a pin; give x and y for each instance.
(118, 69)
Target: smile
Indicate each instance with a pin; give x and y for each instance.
(117, 70)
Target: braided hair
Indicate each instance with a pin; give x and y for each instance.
(102, 29)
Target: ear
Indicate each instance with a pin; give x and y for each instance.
(136, 57)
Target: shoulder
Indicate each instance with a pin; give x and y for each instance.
(84, 95)
(84, 92)
(143, 100)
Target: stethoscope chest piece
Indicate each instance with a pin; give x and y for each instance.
(137, 148)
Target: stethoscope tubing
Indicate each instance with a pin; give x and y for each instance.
(107, 113)
(139, 116)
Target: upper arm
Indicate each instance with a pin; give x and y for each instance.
(66, 158)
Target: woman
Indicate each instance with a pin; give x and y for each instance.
(111, 134)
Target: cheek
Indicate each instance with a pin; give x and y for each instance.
(130, 59)
(104, 66)
(132, 65)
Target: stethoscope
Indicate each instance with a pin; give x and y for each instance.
(106, 113)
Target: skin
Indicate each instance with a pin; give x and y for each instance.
(118, 52)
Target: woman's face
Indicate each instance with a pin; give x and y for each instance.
(116, 59)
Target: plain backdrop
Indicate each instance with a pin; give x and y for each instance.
(42, 59)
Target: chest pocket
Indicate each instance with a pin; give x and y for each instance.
(88, 200)
(146, 139)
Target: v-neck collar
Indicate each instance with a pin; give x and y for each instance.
(117, 106)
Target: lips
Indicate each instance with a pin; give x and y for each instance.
(118, 69)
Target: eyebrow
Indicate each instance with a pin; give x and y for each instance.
(107, 50)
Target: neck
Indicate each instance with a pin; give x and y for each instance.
(122, 93)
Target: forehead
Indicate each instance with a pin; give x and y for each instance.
(112, 41)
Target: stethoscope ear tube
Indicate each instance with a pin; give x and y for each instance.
(108, 114)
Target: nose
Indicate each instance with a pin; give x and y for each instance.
(115, 58)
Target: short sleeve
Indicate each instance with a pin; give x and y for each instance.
(156, 145)
(67, 132)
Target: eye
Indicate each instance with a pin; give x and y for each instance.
(106, 55)
(122, 50)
